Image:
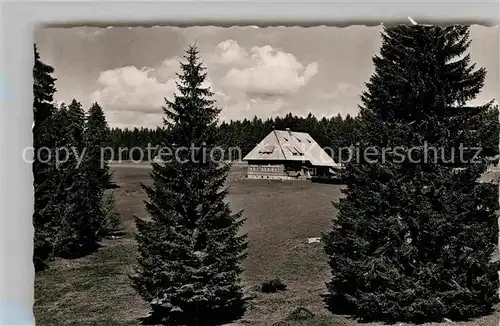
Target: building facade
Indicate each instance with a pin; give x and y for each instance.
(288, 155)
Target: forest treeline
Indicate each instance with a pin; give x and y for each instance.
(333, 132)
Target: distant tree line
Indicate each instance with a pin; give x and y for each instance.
(333, 132)
(122, 141)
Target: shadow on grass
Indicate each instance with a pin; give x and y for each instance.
(70, 252)
(196, 317)
(336, 304)
(112, 185)
(80, 251)
(333, 181)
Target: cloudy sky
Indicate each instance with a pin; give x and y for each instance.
(252, 71)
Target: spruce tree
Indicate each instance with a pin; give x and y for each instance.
(60, 180)
(78, 200)
(76, 125)
(43, 108)
(51, 189)
(413, 240)
(190, 251)
(490, 131)
(43, 89)
(97, 137)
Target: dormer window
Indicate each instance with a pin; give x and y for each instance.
(294, 151)
(298, 151)
(268, 149)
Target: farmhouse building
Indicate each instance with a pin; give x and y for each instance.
(289, 155)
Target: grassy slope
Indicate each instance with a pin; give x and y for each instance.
(280, 217)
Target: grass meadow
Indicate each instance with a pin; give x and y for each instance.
(280, 217)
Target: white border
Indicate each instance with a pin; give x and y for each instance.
(18, 22)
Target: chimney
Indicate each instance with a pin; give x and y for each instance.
(288, 130)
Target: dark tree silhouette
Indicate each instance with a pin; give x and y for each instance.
(190, 252)
(413, 240)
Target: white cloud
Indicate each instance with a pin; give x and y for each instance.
(129, 88)
(166, 70)
(245, 82)
(268, 71)
(230, 52)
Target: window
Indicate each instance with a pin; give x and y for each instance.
(268, 149)
(286, 139)
(309, 141)
(298, 151)
(291, 150)
(270, 169)
(294, 150)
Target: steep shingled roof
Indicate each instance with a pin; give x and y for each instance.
(290, 146)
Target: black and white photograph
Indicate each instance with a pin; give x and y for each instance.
(283, 176)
